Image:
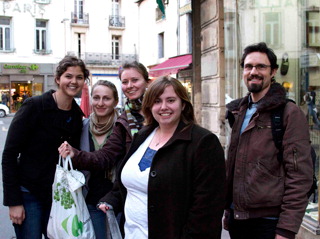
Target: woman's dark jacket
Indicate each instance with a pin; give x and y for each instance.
(186, 188)
(31, 150)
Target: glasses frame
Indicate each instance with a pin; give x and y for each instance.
(259, 67)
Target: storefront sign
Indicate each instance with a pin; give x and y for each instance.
(252, 4)
(21, 68)
(33, 9)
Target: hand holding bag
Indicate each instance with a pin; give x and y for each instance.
(69, 216)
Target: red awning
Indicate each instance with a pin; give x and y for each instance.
(171, 66)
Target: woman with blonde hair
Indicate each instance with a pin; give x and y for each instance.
(95, 133)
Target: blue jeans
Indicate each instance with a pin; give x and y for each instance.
(98, 218)
(36, 220)
(254, 228)
(313, 114)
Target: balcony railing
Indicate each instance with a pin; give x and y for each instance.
(117, 21)
(80, 18)
(107, 59)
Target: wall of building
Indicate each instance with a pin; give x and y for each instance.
(212, 67)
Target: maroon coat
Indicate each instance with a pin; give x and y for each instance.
(186, 188)
(114, 150)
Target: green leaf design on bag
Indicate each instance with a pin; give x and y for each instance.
(77, 226)
(64, 224)
(62, 193)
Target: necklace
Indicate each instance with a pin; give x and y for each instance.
(162, 139)
(159, 140)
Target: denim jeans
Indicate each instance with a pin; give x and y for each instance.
(36, 218)
(98, 218)
(313, 114)
(254, 228)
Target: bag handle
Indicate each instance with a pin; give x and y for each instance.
(66, 162)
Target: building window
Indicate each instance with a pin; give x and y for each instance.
(115, 45)
(272, 29)
(115, 8)
(79, 44)
(41, 35)
(5, 34)
(189, 24)
(78, 9)
(115, 19)
(161, 45)
(313, 29)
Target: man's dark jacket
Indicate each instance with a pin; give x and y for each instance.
(258, 184)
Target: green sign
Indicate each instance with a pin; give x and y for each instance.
(22, 68)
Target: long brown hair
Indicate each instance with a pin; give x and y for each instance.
(155, 89)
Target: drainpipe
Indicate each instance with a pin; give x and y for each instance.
(178, 28)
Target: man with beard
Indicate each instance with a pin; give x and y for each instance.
(266, 197)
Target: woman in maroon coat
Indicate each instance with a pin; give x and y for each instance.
(171, 182)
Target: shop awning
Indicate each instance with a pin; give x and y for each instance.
(171, 66)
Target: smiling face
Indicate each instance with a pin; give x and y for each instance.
(71, 82)
(167, 108)
(133, 84)
(103, 102)
(258, 81)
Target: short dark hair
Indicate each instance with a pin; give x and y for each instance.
(156, 88)
(108, 84)
(136, 65)
(68, 61)
(263, 48)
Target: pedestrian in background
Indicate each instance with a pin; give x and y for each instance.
(15, 99)
(266, 197)
(310, 99)
(4, 98)
(171, 183)
(95, 133)
(30, 154)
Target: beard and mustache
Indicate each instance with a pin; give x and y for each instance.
(255, 87)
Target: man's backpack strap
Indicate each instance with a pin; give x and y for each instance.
(277, 128)
(277, 135)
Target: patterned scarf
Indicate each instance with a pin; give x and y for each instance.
(136, 106)
(100, 128)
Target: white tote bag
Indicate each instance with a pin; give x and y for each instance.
(69, 216)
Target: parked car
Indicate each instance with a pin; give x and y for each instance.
(4, 110)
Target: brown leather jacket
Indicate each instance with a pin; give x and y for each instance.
(258, 184)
